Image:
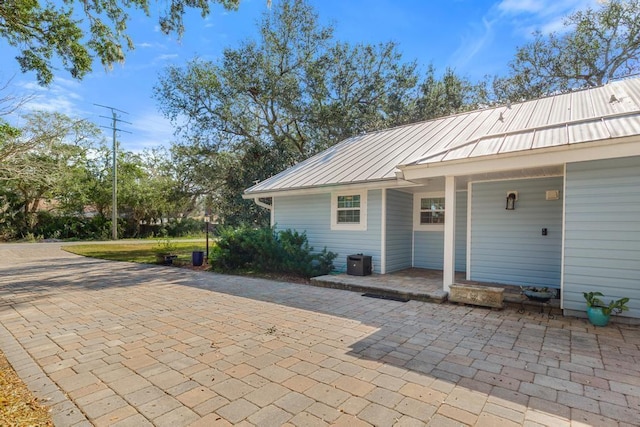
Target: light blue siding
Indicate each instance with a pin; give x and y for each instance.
(399, 229)
(602, 235)
(508, 246)
(461, 230)
(312, 214)
(429, 249)
(429, 245)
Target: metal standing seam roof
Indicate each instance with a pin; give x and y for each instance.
(609, 111)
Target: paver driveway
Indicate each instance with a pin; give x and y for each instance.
(127, 344)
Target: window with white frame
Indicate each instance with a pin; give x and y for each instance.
(349, 211)
(429, 211)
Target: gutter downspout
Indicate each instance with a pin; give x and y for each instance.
(267, 206)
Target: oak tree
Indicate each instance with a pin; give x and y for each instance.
(77, 31)
(597, 45)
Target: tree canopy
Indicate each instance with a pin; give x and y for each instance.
(294, 91)
(77, 31)
(55, 165)
(273, 101)
(596, 45)
(44, 158)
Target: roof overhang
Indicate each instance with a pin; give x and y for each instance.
(416, 175)
(320, 189)
(535, 158)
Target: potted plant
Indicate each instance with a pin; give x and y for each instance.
(599, 312)
(165, 252)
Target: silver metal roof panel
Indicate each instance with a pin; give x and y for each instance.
(623, 126)
(517, 142)
(459, 153)
(394, 147)
(580, 116)
(550, 137)
(523, 116)
(589, 131)
(560, 111)
(487, 146)
(632, 92)
(540, 116)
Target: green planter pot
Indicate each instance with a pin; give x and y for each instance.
(597, 317)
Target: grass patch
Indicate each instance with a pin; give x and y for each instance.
(144, 253)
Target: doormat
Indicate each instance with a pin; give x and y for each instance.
(389, 297)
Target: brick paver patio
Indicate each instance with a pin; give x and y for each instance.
(122, 344)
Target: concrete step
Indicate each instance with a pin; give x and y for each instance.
(334, 283)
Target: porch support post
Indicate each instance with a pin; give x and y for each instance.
(449, 267)
(383, 234)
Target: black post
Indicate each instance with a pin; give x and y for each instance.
(206, 218)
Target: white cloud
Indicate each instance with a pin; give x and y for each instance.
(151, 45)
(555, 26)
(148, 129)
(473, 43)
(166, 56)
(516, 18)
(60, 97)
(520, 6)
(526, 16)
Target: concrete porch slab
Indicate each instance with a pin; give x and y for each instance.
(417, 284)
(381, 285)
(424, 285)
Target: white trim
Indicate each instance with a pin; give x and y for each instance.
(257, 201)
(527, 178)
(564, 228)
(392, 183)
(362, 225)
(272, 219)
(383, 234)
(413, 248)
(449, 264)
(417, 209)
(269, 207)
(469, 201)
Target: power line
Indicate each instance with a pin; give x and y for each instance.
(115, 120)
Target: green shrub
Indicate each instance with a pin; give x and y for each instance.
(267, 250)
(52, 226)
(183, 227)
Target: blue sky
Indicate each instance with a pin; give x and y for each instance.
(474, 37)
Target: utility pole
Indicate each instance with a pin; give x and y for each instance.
(114, 128)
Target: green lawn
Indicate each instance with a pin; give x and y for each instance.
(136, 252)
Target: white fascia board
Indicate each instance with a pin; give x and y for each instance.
(372, 185)
(579, 152)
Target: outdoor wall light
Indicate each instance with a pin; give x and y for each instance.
(512, 196)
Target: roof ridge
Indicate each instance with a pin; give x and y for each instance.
(507, 104)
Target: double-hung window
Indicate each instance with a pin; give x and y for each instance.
(429, 211)
(349, 211)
